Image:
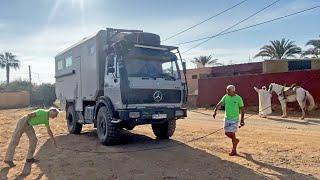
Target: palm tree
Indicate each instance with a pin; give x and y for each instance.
(7, 61)
(279, 49)
(205, 60)
(315, 50)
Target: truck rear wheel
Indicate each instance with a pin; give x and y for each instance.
(72, 121)
(164, 130)
(108, 132)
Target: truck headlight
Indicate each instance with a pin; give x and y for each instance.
(134, 115)
(179, 113)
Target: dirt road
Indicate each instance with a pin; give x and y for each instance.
(269, 148)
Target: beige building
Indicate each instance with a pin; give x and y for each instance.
(272, 66)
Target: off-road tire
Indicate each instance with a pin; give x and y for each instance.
(164, 130)
(72, 121)
(108, 133)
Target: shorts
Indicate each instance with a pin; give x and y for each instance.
(231, 125)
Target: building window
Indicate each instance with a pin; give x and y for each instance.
(60, 64)
(195, 76)
(69, 61)
(299, 65)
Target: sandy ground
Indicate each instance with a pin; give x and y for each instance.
(272, 148)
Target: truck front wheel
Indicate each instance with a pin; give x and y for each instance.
(108, 132)
(72, 121)
(164, 130)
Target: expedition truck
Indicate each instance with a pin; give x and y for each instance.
(118, 79)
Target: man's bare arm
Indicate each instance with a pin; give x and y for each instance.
(51, 136)
(216, 108)
(242, 116)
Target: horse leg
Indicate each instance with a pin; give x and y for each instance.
(284, 109)
(302, 105)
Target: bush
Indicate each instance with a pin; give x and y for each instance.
(18, 85)
(43, 95)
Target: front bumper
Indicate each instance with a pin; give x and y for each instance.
(147, 115)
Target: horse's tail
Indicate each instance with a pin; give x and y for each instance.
(311, 101)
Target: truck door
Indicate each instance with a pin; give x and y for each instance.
(78, 88)
(112, 81)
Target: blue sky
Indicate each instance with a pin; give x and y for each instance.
(36, 30)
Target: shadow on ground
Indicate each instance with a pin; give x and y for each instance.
(279, 172)
(306, 121)
(178, 162)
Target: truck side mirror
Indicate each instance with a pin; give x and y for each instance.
(184, 67)
(111, 69)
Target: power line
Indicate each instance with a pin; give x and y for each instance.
(195, 25)
(236, 24)
(254, 25)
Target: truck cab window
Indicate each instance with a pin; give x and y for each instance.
(170, 68)
(152, 68)
(111, 62)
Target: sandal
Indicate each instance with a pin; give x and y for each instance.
(233, 153)
(32, 160)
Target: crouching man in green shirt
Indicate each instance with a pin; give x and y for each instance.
(25, 125)
(233, 104)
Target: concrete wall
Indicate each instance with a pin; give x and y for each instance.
(273, 66)
(14, 99)
(212, 89)
(193, 83)
(229, 70)
(237, 69)
(315, 64)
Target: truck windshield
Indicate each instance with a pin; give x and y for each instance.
(152, 68)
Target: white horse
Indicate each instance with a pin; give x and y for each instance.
(299, 94)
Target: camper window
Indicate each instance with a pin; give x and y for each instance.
(69, 61)
(91, 50)
(60, 64)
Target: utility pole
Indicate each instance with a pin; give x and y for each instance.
(30, 88)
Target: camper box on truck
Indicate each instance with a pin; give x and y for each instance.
(80, 70)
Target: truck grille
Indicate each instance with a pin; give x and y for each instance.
(146, 96)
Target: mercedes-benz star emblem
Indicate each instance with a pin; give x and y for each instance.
(157, 96)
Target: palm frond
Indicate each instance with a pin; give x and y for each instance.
(279, 49)
(204, 60)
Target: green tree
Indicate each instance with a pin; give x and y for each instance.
(279, 49)
(205, 60)
(315, 50)
(7, 61)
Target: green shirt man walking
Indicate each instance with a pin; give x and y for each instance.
(233, 104)
(25, 125)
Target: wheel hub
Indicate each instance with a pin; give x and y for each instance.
(102, 127)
